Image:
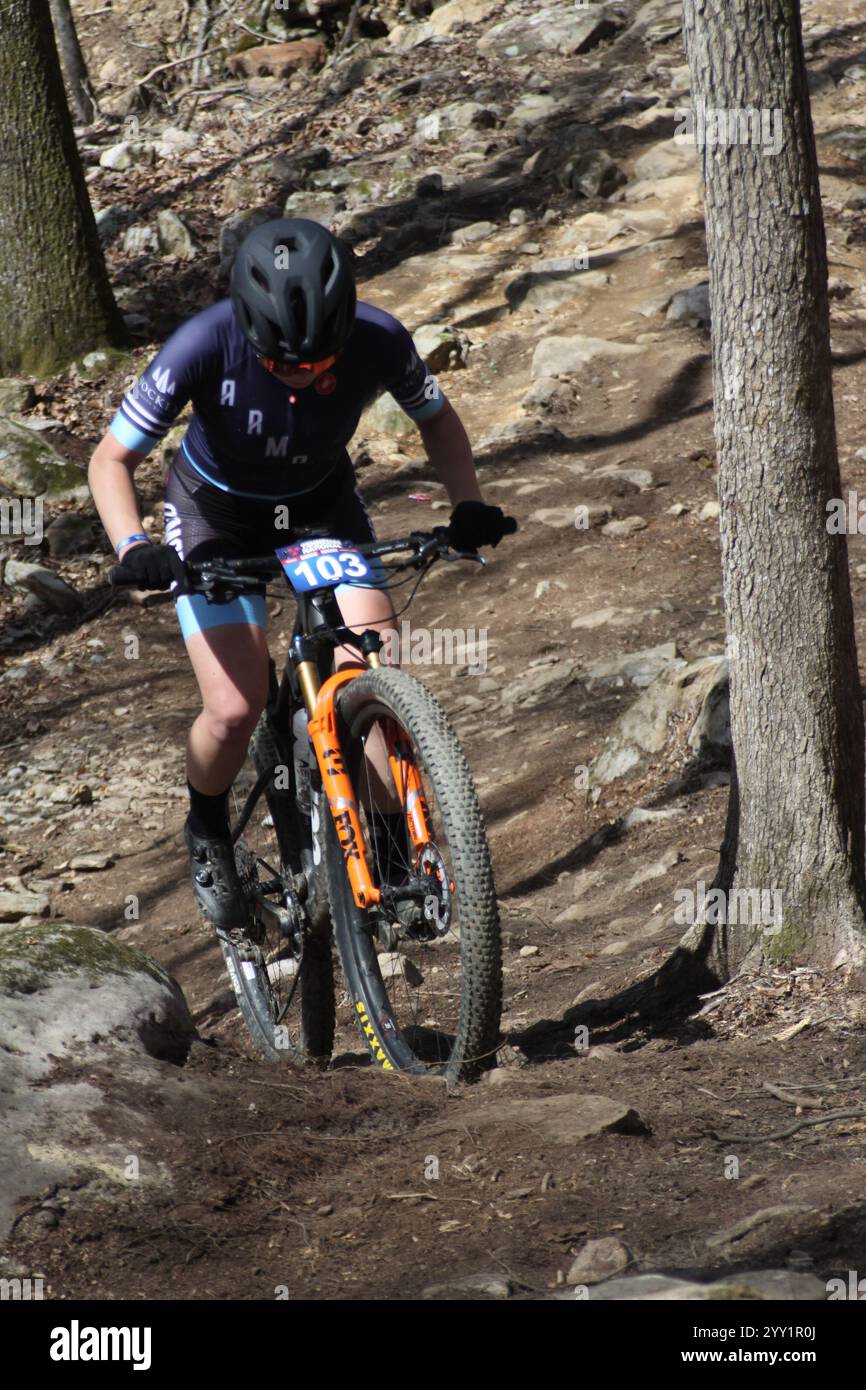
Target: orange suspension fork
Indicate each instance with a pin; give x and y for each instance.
(408, 783)
(340, 791)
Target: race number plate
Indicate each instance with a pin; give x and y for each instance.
(322, 564)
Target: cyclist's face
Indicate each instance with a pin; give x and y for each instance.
(296, 377)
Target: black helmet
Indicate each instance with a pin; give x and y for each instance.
(293, 290)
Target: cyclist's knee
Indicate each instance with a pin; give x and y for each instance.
(231, 716)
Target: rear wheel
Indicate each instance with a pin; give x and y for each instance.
(424, 970)
(283, 977)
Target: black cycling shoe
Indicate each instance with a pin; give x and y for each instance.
(215, 881)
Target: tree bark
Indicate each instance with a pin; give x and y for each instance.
(796, 817)
(74, 65)
(55, 298)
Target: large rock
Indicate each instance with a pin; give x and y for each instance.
(553, 281)
(666, 158)
(694, 694)
(72, 995)
(565, 356)
(550, 31)
(563, 1119)
(638, 668)
(29, 467)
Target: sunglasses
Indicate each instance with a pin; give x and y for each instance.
(270, 364)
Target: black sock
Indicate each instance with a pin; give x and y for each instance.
(208, 815)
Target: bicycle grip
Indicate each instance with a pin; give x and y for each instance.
(120, 577)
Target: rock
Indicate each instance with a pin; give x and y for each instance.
(695, 693)
(618, 530)
(602, 617)
(16, 395)
(691, 306)
(49, 588)
(593, 174)
(91, 863)
(174, 236)
(71, 993)
(442, 347)
(110, 221)
(174, 141)
(538, 684)
(658, 21)
(552, 282)
(565, 356)
(235, 228)
(127, 153)
(277, 59)
(782, 1285)
(664, 159)
(659, 868)
(551, 31)
(140, 240)
(69, 533)
(476, 231)
(563, 1119)
(709, 511)
(319, 207)
(640, 478)
(461, 115)
(639, 668)
(599, 1260)
(17, 904)
(527, 951)
(443, 21)
(482, 1285)
(557, 517)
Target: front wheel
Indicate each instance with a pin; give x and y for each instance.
(424, 968)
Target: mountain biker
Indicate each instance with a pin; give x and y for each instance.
(278, 375)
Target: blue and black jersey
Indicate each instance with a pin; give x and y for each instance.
(250, 434)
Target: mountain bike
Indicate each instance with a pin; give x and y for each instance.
(356, 821)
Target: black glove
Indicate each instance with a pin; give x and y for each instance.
(475, 523)
(153, 566)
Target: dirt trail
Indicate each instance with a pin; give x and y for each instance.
(351, 1184)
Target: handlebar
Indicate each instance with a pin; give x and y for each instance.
(232, 574)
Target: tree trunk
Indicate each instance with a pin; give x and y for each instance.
(796, 818)
(55, 299)
(73, 61)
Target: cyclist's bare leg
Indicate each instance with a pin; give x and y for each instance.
(361, 609)
(231, 667)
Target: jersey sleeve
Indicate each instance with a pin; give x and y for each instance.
(408, 379)
(152, 404)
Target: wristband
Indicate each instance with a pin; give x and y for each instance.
(140, 536)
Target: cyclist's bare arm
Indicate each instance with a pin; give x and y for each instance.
(110, 475)
(447, 446)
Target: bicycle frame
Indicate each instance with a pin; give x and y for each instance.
(317, 610)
